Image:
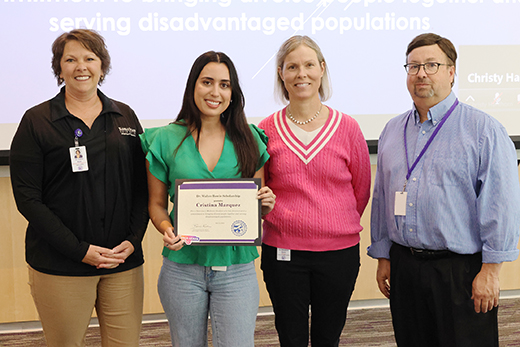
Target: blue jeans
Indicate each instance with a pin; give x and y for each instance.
(189, 292)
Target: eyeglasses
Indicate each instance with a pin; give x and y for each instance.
(430, 68)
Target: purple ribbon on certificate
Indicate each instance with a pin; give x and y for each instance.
(234, 185)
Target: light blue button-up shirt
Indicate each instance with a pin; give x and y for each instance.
(464, 193)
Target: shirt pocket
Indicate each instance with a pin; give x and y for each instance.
(448, 167)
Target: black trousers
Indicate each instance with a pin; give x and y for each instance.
(323, 280)
(430, 301)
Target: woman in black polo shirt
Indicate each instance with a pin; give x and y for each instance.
(78, 177)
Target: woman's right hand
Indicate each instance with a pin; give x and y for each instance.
(100, 257)
(171, 241)
(158, 209)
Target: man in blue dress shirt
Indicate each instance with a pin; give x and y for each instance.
(445, 209)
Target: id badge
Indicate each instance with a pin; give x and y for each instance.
(283, 254)
(400, 203)
(78, 158)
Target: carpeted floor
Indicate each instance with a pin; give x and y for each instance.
(364, 328)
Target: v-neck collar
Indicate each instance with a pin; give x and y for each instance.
(306, 152)
(203, 163)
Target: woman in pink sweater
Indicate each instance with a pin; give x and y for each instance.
(320, 172)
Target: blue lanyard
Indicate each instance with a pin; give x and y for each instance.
(428, 143)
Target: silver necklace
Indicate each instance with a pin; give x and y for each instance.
(308, 120)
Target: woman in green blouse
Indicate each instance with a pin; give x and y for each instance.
(209, 139)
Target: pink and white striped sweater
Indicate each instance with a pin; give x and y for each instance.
(321, 189)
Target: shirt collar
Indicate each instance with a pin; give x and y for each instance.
(438, 111)
(59, 110)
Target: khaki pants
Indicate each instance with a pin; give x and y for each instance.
(65, 306)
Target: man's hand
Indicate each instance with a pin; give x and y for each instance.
(383, 276)
(486, 288)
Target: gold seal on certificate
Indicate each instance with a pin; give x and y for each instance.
(218, 211)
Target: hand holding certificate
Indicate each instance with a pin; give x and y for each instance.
(218, 212)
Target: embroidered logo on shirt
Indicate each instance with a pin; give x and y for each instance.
(127, 132)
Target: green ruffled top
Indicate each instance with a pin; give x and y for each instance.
(159, 144)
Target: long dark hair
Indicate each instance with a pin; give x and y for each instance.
(233, 118)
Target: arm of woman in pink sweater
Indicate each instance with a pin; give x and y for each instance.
(359, 167)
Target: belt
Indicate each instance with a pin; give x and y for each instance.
(429, 254)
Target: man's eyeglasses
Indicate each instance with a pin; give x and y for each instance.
(430, 68)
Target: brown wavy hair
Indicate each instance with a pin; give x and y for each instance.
(91, 40)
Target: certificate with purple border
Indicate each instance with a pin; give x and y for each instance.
(218, 211)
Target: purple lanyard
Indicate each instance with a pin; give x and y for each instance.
(443, 120)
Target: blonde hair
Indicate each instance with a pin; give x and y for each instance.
(285, 49)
